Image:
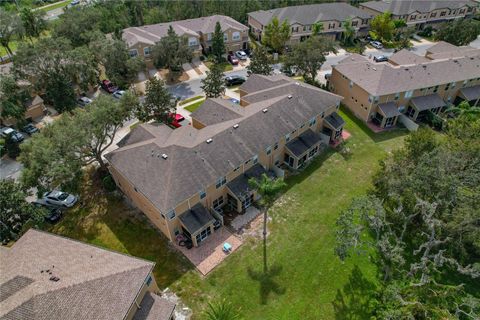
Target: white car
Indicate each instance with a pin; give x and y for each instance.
(241, 55)
(118, 94)
(58, 198)
(376, 44)
(83, 101)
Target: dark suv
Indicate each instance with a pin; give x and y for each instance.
(234, 80)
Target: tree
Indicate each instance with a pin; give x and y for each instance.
(276, 35)
(10, 26)
(309, 55)
(268, 189)
(33, 22)
(158, 103)
(12, 98)
(221, 311)
(260, 62)
(402, 37)
(218, 43)
(171, 52)
(15, 212)
(459, 32)
(464, 109)
(420, 222)
(120, 68)
(382, 27)
(213, 84)
(317, 28)
(12, 147)
(78, 25)
(348, 35)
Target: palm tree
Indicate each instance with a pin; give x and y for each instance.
(268, 189)
(221, 311)
(464, 109)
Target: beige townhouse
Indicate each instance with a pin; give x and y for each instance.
(198, 33)
(302, 18)
(185, 179)
(45, 276)
(422, 13)
(379, 93)
(34, 109)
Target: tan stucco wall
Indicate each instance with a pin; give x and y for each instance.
(197, 124)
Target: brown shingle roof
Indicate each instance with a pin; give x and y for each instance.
(401, 7)
(154, 307)
(405, 57)
(217, 110)
(93, 283)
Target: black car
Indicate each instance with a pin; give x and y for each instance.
(54, 215)
(30, 129)
(380, 59)
(12, 133)
(234, 80)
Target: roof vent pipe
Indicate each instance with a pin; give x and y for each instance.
(210, 140)
(235, 126)
(289, 96)
(164, 156)
(265, 110)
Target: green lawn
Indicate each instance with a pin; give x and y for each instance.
(194, 106)
(181, 103)
(56, 5)
(306, 280)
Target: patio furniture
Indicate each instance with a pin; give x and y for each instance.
(227, 247)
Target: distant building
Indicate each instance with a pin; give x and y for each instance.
(44, 276)
(302, 18)
(422, 13)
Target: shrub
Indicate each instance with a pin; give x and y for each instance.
(108, 183)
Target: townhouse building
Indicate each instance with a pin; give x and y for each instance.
(45, 276)
(185, 179)
(302, 18)
(34, 109)
(408, 85)
(198, 33)
(422, 13)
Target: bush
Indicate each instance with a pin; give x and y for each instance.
(427, 32)
(13, 149)
(108, 183)
(2, 147)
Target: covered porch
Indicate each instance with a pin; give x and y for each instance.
(470, 94)
(419, 107)
(197, 224)
(303, 148)
(386, 115)
(333, 127)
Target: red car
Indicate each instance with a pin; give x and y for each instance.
(232, 59)
(108, 86)
(176, 119)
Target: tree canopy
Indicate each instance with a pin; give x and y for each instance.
(10, 26)
(213, 84)
(276, 34)
(382, 27)
(158, 104)
(218, 43)
(12, 98)
(33, 22)
(459, 32)
(260, 62)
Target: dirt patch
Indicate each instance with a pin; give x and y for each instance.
(178, 77)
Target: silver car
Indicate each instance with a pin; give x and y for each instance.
(59, 198)
(118, 94)
(83, 101)
(241, 55)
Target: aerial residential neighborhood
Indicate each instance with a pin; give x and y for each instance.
(177, 160)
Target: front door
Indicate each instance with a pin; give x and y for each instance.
(203, 235)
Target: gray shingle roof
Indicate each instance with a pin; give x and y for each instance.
(427, 102)
(471, 93)
(335, 120)
(404, 57)
(196, 218)
(381, 79)
(310, 14)
(389, 109)
(150, 34)
(93, 283)
(217, 110)
(191, 159)
(154, 307)
(303, 142)
(240, 186)
(402, 7)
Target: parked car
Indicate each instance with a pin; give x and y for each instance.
(376, 44)
(108, 86)
(232, 59)
(54, 215)
(241, 55)
(380, 59)
(83, 101)
(58, 198)
(30, 129)
(288, 71)
(118, 94)
(234, 80)
(12, 133)
(176, 119)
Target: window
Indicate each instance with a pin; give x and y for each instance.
(269, 150)
(433, 15)
(443, 13)
(133, 53)
(331, 25)
(312, 121)
(220, 182)
(192, 41)
(149, 280)
(323, 115)
(247, 162)
(413, 17)
(171, 214)
(209, 36)
(146, 51)
(203, 194)
(255, 159)
(354, 23)
(447, 86)
(409, 94)
(236, 169)
(465, 82)
(236, 36)
(350, 84)
(275, 147)
(435, 89)
(225, 37)
(217, 203)
(287, 137)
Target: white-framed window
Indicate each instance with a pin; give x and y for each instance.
(255, 159)
(133, 53)
(171, 214)
(312, 121)
(275, 147)
(351, 84)
(236, 36)
(268, 150)
(146, 51)
(397, 96)
(409, 94)
(225, 37)
(218, 202)
(203, 194)
(220, 182)
(287, 137)
(192, 41)
(209, 36)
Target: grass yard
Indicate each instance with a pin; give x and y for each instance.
(305, 279)
(194, 106)
(181, 103)
(60, 4)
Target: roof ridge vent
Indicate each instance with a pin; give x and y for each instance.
(374, 69)
(265, 110)
(235, 126)
(164, 156)
(209, 140)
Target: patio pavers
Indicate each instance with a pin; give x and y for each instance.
(210, 254)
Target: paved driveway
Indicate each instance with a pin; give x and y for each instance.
(10, 168)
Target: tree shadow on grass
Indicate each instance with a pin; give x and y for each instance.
(355, 300)
(268, 284)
